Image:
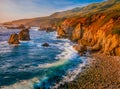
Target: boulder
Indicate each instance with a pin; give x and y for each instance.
(45, 45)
(14, 39)
(81, 49)
(24, 35)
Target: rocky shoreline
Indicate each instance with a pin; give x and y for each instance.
(99, 36)
(90, 34)
(94, 29)
(102, 73)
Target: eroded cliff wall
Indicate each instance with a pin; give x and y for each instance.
(99, 32)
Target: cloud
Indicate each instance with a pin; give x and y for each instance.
(19, 9)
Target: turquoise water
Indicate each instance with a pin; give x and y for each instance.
(31, 66)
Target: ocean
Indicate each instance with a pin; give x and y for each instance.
(32, 66)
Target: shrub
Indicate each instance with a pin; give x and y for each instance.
(116, 31)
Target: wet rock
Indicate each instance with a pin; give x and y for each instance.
(24, 35)
(45, 45)
(14, 39)
(81, 49)
(117, 51)
(61, 33)
(50, 29)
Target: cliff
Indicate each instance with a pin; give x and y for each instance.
(95, 28)
(60, 16)
(98, 32)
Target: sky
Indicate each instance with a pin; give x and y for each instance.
(21, 9)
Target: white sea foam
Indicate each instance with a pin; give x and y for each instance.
(72, 74)
(4, 47)
(67, 54)
(3, 42)
(4, 51)
(64, 57)
(26, 84)
(7, 65)
(24, 41)
(35, 28)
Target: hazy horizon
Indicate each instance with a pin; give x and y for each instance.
(15, 10)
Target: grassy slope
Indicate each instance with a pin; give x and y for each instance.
(104, 72)
(58, 16)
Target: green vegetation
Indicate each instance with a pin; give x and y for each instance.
(58, 23)
(116, 31)
(104, 72)
(109, 16)
(103, 7)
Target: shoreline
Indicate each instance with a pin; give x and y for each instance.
(67, 48)
(101, 73)
(90, 75)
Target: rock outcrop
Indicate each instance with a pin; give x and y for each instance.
(96, 33)
(77, 32)
(60, 32)
(24, 35)
(81, 49)
(14, 39)
(45, 45)
(50, 29)
(21, 26)
(47, 28)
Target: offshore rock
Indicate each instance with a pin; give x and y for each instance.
(45, 45)
(14, 39)
(24, 35)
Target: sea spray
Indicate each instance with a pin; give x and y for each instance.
(46, 67)
(67, 54)
(72, 74)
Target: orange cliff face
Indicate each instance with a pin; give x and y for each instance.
(98, 33)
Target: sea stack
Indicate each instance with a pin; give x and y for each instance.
(14, 39)
(24, 35)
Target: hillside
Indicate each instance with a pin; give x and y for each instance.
(95, 32)
(95, 28)
(109, 5)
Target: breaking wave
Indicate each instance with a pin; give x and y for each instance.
(66, 61)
